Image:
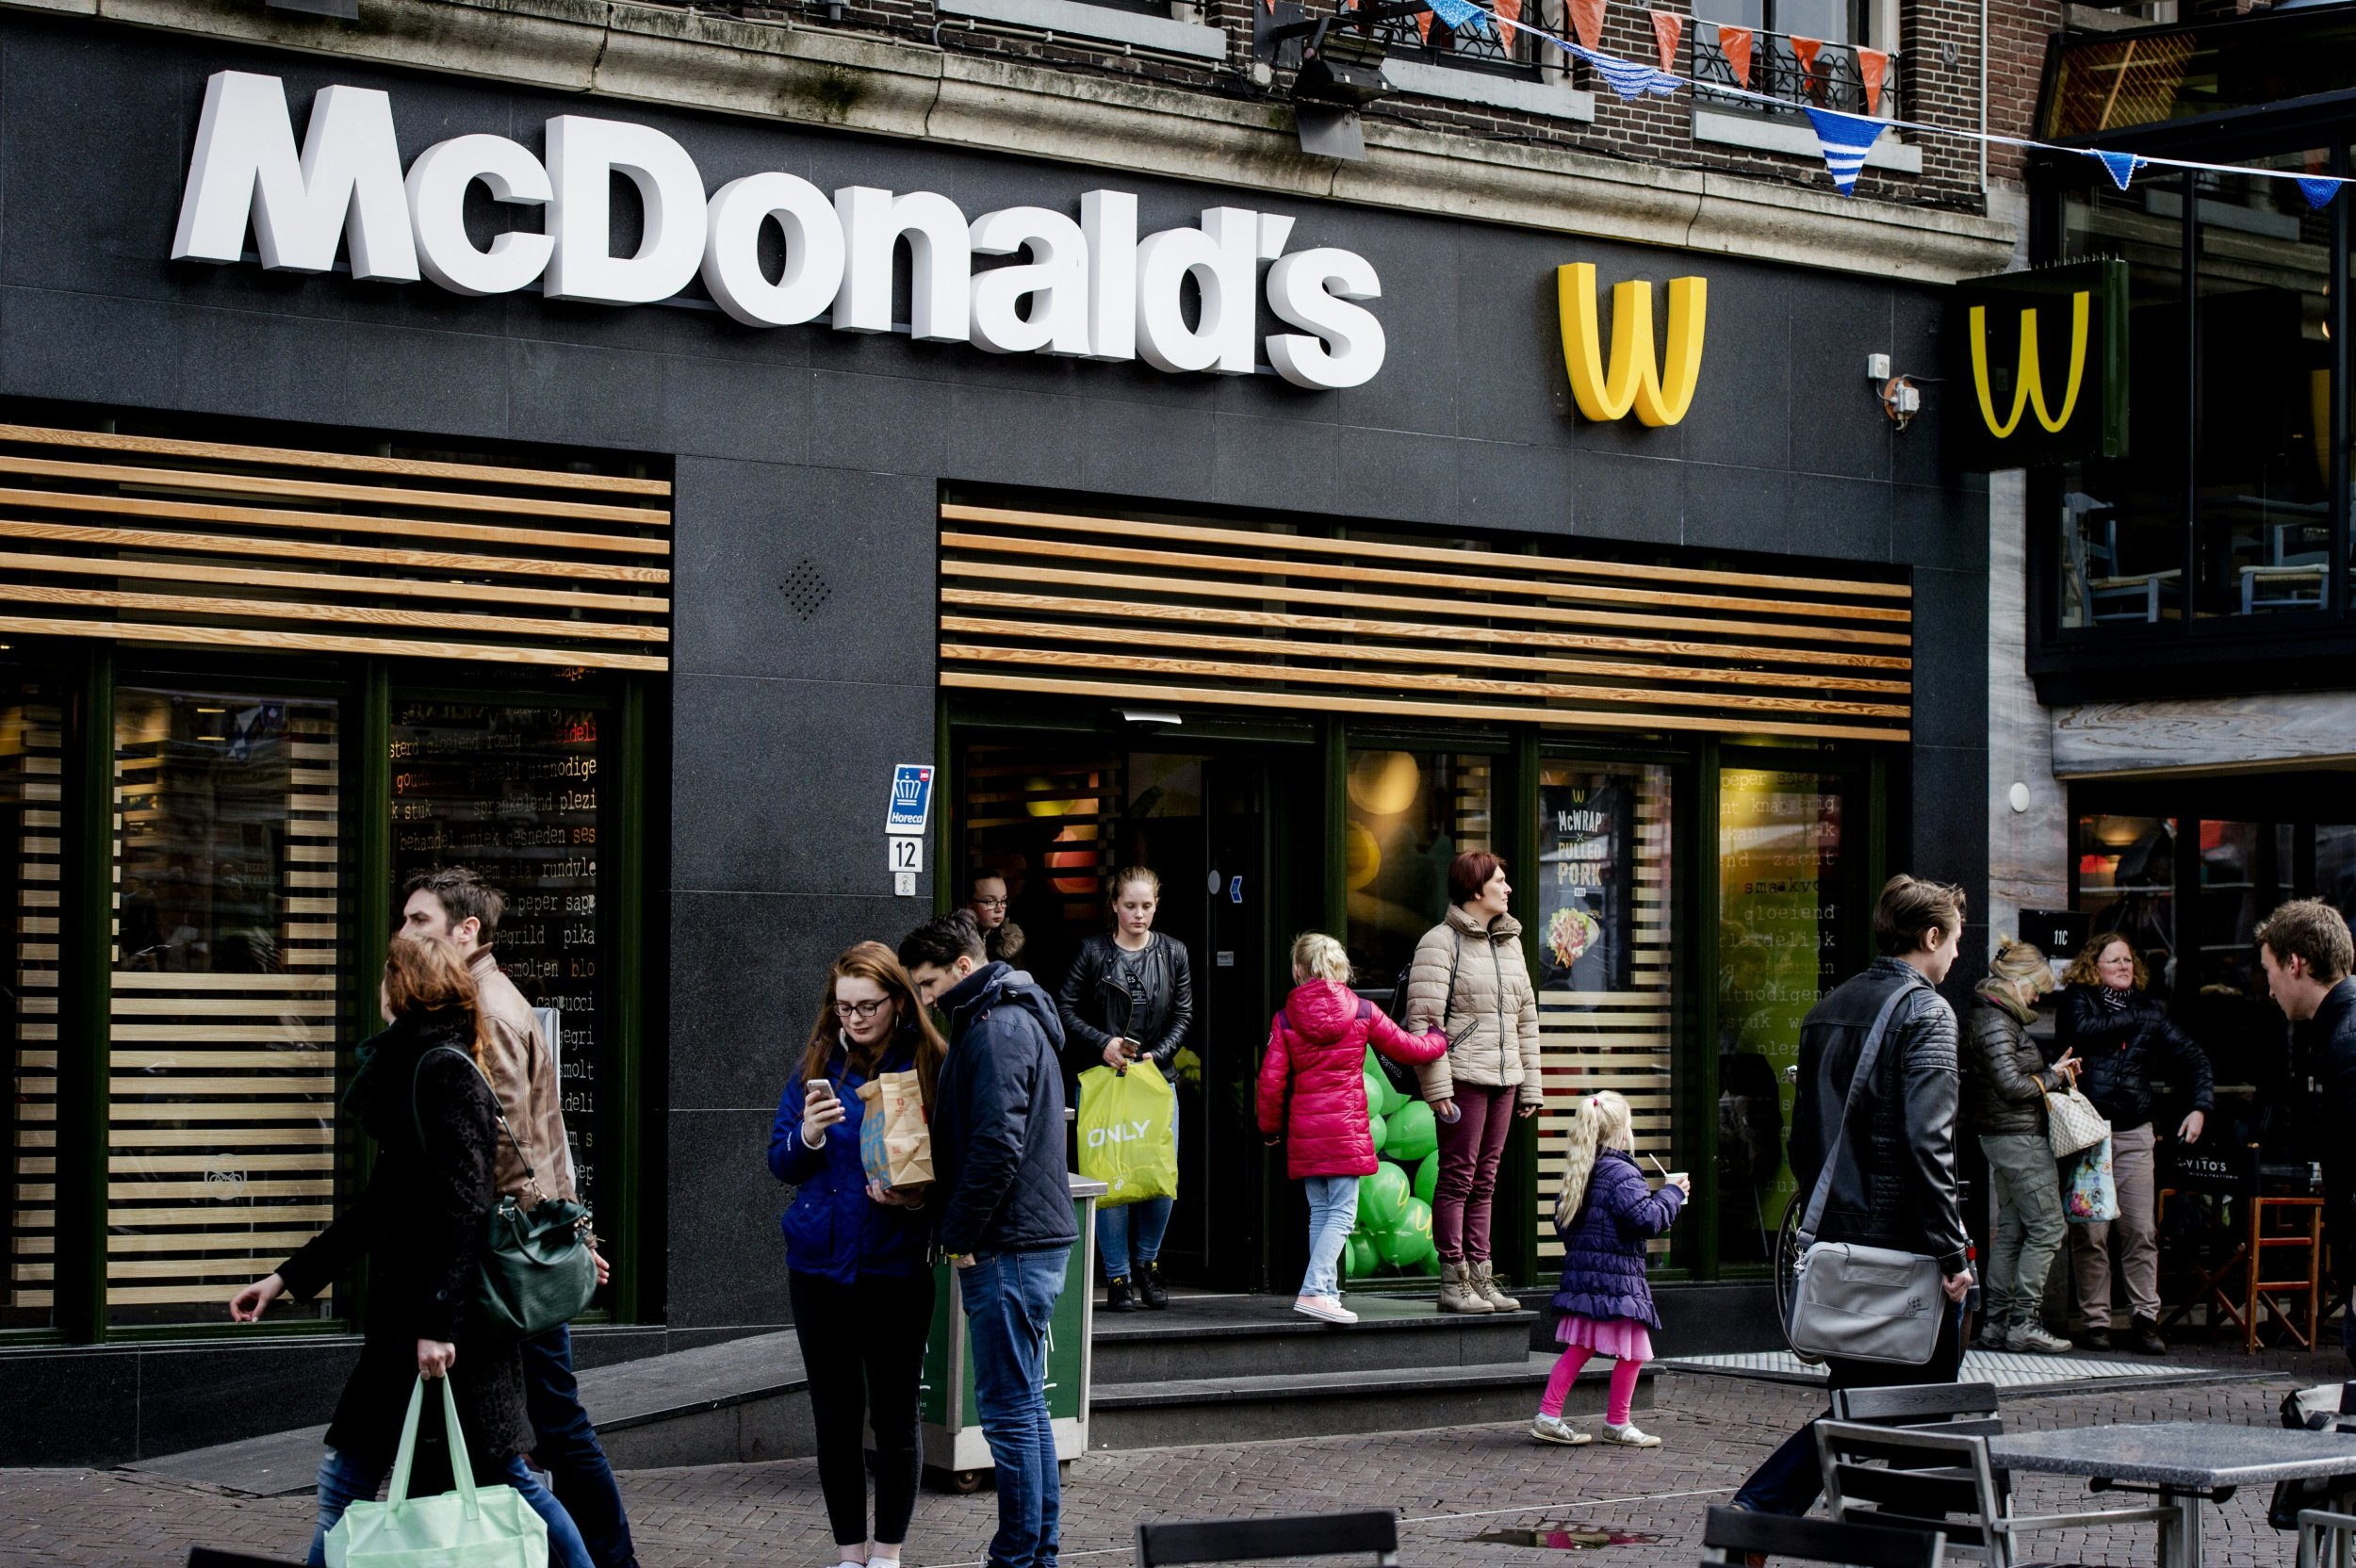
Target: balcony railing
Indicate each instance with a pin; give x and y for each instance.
(1474, 48)
(1836, 81)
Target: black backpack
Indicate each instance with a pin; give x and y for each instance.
(1403, 1077)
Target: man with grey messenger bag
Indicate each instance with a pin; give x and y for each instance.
(1873, 1144)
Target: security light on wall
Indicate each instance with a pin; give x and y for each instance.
(1339, 69)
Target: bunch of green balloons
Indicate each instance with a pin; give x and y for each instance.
(1394, 1230)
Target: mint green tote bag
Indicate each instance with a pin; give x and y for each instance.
(490, 1527)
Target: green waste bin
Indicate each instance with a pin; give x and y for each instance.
(956, 1458)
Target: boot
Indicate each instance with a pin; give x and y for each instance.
(1117, 1296)
(1456, 1292)
(2147, 1336)
(1484, 1284)
(1151, 1290)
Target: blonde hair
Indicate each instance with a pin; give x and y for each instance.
(1598, 1121)
(1321, 958)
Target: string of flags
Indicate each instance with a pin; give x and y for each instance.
(1843, 137)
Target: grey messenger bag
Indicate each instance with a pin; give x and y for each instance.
(1862, 1303)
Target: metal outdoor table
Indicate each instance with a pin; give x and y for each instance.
(2184, 1464)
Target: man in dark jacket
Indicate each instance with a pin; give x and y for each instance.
(2307, 952)
(1006, 1209)
(1894, 1156)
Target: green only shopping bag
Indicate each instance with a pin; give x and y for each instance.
(1125, 1138)
(489, 1527)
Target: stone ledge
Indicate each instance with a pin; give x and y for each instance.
(650, 54)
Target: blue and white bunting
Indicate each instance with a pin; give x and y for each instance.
(1630, 79)
(1458, 14)
(2122, 166)
(2318, 190)
(1844, 138)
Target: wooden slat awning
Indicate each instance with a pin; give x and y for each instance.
(154, 539)
(1229, 614)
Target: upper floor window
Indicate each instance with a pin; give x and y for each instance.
(1801, 52)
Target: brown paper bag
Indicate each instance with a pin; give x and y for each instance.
(895, 1148)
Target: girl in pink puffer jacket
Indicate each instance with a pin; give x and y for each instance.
(1313, 1094)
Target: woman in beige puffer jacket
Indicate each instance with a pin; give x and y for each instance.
(1489, 1074)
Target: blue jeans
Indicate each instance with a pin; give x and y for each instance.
(1115, 1229)
(1009, 1297)
(345, 1480)
(568, 1449)
(1793, 1476)
(1333, 1210)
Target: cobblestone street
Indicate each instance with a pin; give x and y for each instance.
(1471, 1496)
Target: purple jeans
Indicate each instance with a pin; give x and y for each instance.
(1470, 1148)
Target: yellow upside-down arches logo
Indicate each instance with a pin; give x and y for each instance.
(2029, 390)
(1660, 396)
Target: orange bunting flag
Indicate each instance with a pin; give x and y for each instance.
(1508, 12)
(1735, 44)
(1805, 50)
(1423, 25)
(1871, 66)
(1667, 27)
(1587, 22)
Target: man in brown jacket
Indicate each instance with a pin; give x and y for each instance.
(455, 903)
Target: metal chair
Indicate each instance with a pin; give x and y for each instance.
(1730, 1534)
(1969, 1409)
(2325, 1540)
(1929, 1480)
(1257, 1539)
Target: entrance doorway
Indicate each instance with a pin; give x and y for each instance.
(1055, 817)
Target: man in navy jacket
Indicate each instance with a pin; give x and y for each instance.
(2307, 952)
(1005, 1208)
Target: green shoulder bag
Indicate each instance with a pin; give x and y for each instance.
(538, 1269)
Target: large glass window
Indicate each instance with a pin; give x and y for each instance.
(513, 791)
(1606, 1006)
(2127, 884)
(1784, 924)
(229, 957)
(1410, 813)
(30, 843)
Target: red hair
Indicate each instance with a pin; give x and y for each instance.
(1469, 873)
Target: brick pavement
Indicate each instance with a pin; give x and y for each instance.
(1452, 1486)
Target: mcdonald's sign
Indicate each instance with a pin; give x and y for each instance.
(2037, 367)
(1658, 394)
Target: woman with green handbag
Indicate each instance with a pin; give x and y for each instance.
(419, 1092)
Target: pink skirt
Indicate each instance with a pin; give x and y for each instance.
(1621, 1338)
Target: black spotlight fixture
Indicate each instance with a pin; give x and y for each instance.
(1339, 69)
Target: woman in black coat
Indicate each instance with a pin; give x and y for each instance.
(420, 1093)
(2121, 1035)
(1130, 998)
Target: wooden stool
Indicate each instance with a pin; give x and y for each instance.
(2265, 1297)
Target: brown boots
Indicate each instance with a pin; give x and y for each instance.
(1483, 1284)
(1456, 1290)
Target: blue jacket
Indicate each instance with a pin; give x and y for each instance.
(1603, 1245)
(998, 1136)
(833, 1230)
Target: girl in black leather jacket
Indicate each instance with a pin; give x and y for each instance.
(1130, 998)
(2121, 1033)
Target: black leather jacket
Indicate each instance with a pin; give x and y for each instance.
(1895, 1183)
(2328, 1046)
(2118, 1049)
(2008, 1074)
(1095, 1007)
(998, 1132)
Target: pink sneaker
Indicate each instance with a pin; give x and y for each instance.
(1325, 1308)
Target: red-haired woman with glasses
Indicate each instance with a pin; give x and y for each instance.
(855, 1250)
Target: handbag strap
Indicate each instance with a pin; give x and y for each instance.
(1866, 1058)
(417, 1117)
(461, 1465)
(1455, 962)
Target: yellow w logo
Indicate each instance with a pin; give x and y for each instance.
(1659, 396)
(2029, 390)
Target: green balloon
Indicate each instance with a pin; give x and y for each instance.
(1359, 1258)
(1410, 1240)
(1375, 1095)
(1382, 1197)
(1414, 1134)
(1428, 1177)
(1395, 1101)
(1381, 1130)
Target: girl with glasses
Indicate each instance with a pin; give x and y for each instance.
(855, 1250)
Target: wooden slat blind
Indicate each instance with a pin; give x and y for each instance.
(30, 769)
(152, 539)
(1236, 616)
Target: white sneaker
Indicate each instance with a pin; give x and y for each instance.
(1325, 1308)
(1628, 1437)
(1553, 1428)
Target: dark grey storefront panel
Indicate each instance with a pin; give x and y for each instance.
(802, 444)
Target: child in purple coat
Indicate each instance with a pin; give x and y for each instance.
(1605, 1213)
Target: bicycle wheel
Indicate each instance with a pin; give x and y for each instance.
(1785, 1268)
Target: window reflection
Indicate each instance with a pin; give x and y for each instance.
(2127, 884)
(1410, 813)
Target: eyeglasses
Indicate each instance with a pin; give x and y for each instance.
(861, 1010)
(989, 904)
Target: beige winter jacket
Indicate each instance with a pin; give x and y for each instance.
(1492, 1022)
(524, 1076)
